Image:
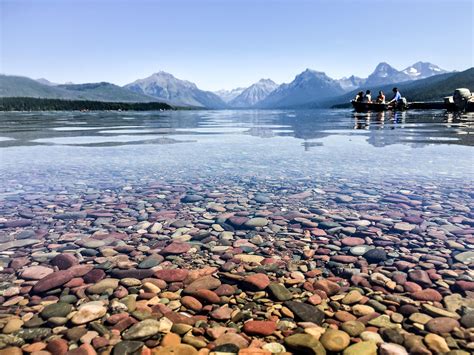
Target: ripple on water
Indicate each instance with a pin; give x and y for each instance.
(95, 139)
(287, 144)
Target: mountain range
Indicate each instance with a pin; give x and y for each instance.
(426, 89)
(229, 95)
(306, 89)
(254, 94)
(167, 88)
(384, 73)
(18, 86)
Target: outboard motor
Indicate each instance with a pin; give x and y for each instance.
(460, 98)
(402, 104)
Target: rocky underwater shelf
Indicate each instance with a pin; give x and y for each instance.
(238, 267)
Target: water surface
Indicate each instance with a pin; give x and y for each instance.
(38, 150)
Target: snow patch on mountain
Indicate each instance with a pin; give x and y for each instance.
(228, 95)
(254, 94)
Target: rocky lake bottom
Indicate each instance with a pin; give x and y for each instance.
(236, 232)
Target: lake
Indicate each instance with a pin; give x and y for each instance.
(126, 147)
(237, 229)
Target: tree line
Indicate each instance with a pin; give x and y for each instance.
(36, 104)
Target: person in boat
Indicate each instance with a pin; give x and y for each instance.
(359, 97)
(396, 97)
(367, 97)
(381, 98)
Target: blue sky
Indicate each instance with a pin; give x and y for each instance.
(228, 43)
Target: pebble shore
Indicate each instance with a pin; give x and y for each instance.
(238, 267)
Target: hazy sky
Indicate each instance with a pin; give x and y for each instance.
(228, 43)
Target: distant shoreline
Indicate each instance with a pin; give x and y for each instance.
(25, 104)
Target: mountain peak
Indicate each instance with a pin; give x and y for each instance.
(420, 63)
(311, 71)
(421, 70)
(383, 67)
(254, 93)
(266, 81)
(167, 87)
(351, 83)
(162, 73)
(308, 86)
(384, 73)
(228, 95)
(310, 74)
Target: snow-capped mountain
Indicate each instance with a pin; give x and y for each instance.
(309, 86)
(228, 95)
(421, 70)
(351, 83)
(166, 87)
(254, 93)
(385, 74)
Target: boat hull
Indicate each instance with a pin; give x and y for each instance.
(369, 107)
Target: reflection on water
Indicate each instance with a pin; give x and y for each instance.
(410, 127)
(418, 128)
(289, 144)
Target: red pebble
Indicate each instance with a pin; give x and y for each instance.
(256, 327)
(57, 346)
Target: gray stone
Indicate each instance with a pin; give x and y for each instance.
(280, 292)
(305, 344)
(59, 309)
(466, 257)
(128, 348)
(306, 312)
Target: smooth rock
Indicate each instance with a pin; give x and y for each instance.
(306, 312)
(12, 326)
(36, 272)
(262, 328)
(59, 309)
(257, 281)
(52, 281)
(88, 312)
(305, 343)
(280, 292)
(176, 248)
(392, 349)
(172, 275)
(375, 256)
(64, 261)
(466, 257)
(335, 340)
(127, 348)
(364, 347)
(352, 297)
(441, 325)
(143, 329)
(203, 283)
(352, 241)
(436, 343)
(102, 286)
(256, 222)
(353, 327)
(420, 277)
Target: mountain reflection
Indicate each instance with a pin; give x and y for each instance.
(103, 129)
